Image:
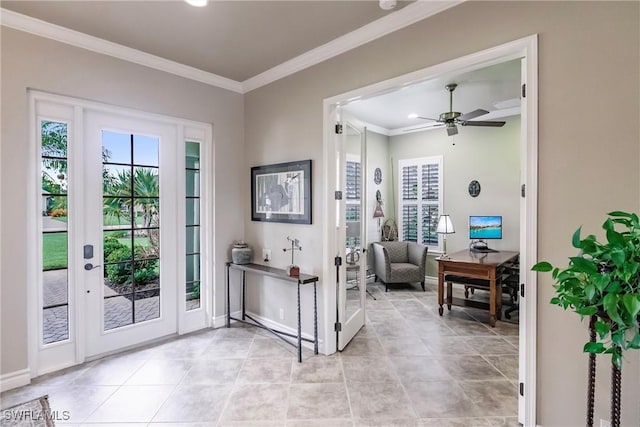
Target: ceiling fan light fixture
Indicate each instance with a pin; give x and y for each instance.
(197, 3)
(452, 129)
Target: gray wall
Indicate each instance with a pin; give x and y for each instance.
(33, 62)
(587, 165)
(489, 155)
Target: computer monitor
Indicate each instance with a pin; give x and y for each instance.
(483, 227)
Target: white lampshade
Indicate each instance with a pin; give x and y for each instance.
(445, 226)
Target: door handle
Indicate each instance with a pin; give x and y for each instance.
(88, 266)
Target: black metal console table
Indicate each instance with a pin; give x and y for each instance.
(276, 273)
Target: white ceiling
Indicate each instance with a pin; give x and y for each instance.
(495, 89)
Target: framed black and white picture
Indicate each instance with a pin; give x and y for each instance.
(281, 192)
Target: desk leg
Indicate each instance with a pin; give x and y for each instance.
(315, 320)
(228, 301)
(492, 301)
(449, 295)
(243, 293)
(440, 289)
(299, 329)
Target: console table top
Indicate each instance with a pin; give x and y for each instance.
(278, 273)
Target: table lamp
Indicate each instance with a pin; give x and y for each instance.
(445, 226)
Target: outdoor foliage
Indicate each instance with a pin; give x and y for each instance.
(145, 271)
(603, 279)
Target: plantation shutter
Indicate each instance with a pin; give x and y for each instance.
(420, 201)
(353, 197)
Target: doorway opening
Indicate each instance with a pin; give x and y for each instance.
(522, 213)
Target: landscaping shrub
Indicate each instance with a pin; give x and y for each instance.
(120, 272)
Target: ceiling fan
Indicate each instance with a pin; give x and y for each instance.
(451, 118)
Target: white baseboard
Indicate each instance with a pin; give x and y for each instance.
(15, 379)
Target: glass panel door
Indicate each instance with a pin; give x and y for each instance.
(351, 238)
(131, 222)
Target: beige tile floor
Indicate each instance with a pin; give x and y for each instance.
(407, 367)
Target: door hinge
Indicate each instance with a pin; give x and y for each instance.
(337, 261)
(339, 128)
(524, 90)
(523, 190)
(337, 327)
(521, 290)
(338, 195)
(522, 389)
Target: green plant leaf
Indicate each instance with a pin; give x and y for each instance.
(590, 291)
(575, 240)
(618, 256)
(584, 265)
(616, 359)
(594, 347)
(608, 225)
(542, 267)
(614, 238)
(587, 311)
(632, 304)
(602, 328)
(620, 214)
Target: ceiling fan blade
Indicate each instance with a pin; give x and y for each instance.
(427, 118)
(484, 123)
(452, 130)
(473, 114)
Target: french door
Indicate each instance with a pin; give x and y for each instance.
(119, 244)
(130, 230)
(351, 236)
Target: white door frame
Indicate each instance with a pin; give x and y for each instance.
(526, 48)
(187, 321)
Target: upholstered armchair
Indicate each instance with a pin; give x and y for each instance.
(399, 262)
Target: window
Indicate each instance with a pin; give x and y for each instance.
(352, 201)
(54, 204)
(420, 201)
(192, 191)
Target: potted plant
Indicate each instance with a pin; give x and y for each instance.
(603, 282)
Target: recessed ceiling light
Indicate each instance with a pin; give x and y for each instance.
(387, 4)
(412, 116)
(197, 3)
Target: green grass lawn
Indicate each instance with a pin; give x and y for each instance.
(54, 250)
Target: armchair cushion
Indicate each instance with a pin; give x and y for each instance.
(400, 262)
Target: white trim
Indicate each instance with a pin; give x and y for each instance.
(394, 21)
(404, 17)
(45, 29)
(15, 379)
(526, 47)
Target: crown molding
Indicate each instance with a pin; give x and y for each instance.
(45, 29)
(404, 17)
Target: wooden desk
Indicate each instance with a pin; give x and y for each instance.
(473, 265)
(276, 273)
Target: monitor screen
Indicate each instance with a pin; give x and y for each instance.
(485, 227)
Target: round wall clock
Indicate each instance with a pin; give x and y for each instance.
(474, 188)
(377, 176)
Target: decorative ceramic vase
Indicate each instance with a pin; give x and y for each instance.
(241, 253)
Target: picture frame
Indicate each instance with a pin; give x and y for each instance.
(281, 192)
